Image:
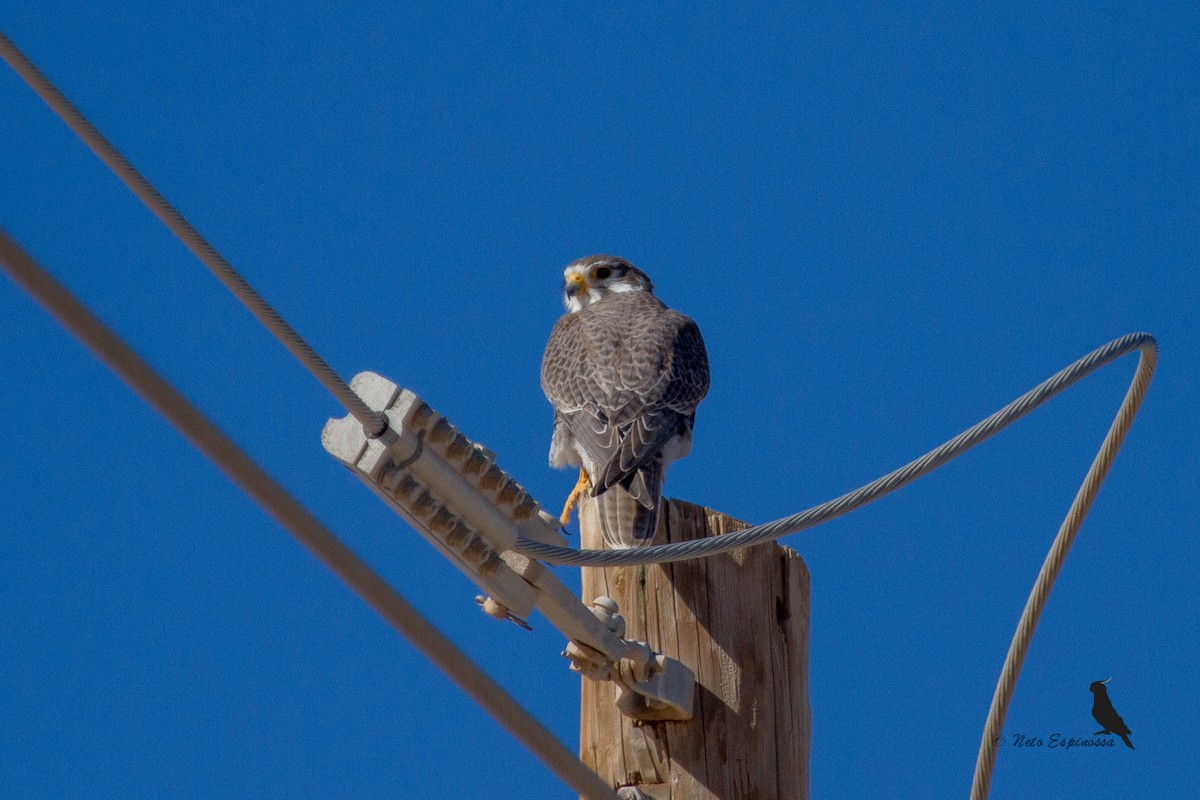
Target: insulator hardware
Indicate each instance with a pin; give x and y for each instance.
(451, 491)
(441, 432)
(458, 448)
(476, 463)
(458, 536)
(421, 415)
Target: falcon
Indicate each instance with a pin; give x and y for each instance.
(624, 374)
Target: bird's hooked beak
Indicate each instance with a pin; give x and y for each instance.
(575, 283)
(1106, 680)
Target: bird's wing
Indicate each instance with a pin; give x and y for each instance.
(686, 380)
(625, 376)
(576, 381)
(570, 376)
(667, 374)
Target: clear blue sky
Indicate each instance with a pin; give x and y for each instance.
(888, 223)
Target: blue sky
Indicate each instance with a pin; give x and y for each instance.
(888, 222)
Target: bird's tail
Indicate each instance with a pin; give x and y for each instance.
(629, 510)
(1128, 743)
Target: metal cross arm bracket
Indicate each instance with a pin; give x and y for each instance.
(451, 491)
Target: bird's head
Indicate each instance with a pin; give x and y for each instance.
(591, 279)
(1098, 687)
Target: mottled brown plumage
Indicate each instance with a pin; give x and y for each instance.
(624, 374)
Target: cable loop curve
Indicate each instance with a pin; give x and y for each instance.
(839, 506)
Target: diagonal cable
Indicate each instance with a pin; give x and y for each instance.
(372, 421)
(328, 549)
(375, 423)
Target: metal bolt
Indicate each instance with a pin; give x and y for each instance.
(442, 521)
(458, 447)
(405, 487)
(421, 415)
(525, 509)
(459, 535)
(476, 462)
(491, 479)
(422, 504)
(509, 493)
(391, 477)
(477, 551)
(441, 432)
(491, 565)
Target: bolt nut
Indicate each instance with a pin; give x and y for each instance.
(442, 522)
(476, 462)
(459, 535)
(509, 493)
(405, 487)
(421, 415)
(492, 478)
(477, 551)
(441, 432)
(525, 509)
(492, 608)
(491, 565)
(458, 448)
(423, 504)
(606, 603)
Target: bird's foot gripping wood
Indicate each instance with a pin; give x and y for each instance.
(584, 484)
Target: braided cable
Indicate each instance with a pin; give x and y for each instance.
(373, 422)
(679, 551)
(1019, 647)
(990, 741)
(324, 545)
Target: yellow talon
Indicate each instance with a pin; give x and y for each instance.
(582, 485)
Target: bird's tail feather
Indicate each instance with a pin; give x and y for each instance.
(624, 522)
(629, 514)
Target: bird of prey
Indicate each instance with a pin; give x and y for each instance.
(624, 374)
(1106, 715)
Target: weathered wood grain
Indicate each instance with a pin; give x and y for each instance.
(740, 622)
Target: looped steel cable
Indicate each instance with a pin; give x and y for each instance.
(372, 421)
(375, 423)
(1006, 684)
(1096, 473)
(696, 548)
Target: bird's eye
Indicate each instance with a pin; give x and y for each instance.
(602, 273)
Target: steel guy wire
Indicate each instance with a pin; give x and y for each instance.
(839, 506)
(373, 422)
(1052, 565)
(1096, 473)
(297, 520)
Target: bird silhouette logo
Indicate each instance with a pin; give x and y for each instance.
(1106, 715)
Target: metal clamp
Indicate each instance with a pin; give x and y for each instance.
(452, 492)
(650, 686)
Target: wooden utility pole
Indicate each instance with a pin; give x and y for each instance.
(740, 621)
